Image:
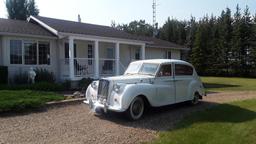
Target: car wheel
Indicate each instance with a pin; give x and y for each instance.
(195, 100)
(136, 109)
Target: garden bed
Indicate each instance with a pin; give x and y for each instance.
(25, 99)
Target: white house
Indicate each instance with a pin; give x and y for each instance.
(74, 50)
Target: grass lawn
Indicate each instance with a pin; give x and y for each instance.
(25, 99)
(233, 123)
(218, 84)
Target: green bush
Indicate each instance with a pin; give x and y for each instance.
(3, 75)
(21, 78)
(84, 83)
(46, 86)
(66, 85)
(40, 86)
(25, 99)
(43, 75)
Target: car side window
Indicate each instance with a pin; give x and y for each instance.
(165, 70)
(183, 70)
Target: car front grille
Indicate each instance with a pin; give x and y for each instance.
(103, 90)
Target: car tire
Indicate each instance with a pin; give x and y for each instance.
(136, 109)
(195, 99)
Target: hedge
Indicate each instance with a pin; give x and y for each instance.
(3, 74)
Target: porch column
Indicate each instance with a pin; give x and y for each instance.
(96, 56)
(143, 51)
(117, 58)
(71, 58)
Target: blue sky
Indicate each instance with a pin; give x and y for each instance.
(123, 11)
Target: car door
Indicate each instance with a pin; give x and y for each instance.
(183, 77)
(165, 87)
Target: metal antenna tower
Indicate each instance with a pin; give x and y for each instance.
(154, 18)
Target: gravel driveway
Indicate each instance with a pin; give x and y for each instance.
(75, 124)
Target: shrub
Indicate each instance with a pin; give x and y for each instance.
(84, 83)
(43, 75)
(25, 99)
(46, 86)
(40, 86)
(3, 75)
(21, 78)
(66, 85)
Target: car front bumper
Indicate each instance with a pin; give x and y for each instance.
(96, 106)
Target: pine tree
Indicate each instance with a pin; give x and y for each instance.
(236, 43)
(199, 56)
(225, 33)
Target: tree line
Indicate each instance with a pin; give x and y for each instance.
(222, 45)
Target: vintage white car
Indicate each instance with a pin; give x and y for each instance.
(154, 83)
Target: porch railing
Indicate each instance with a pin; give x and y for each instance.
(107, 67)
(84, 67)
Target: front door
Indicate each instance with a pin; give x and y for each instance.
(183, 78)
(169, 55)
(165, 86)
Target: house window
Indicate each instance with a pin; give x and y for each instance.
(30, 51)
(169, 55)
(137, 54)
(44, 53)
(90, 54)
(67, 50)
(16, 52)
(183, 70)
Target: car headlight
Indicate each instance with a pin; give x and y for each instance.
(94, 85)
(118, 87)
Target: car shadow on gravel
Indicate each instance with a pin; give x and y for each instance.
(160, 118)
(165, 118)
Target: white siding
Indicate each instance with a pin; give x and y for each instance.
(160, 53)
(15, 69)
(155, 53)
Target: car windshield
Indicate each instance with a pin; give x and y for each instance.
(145, 68)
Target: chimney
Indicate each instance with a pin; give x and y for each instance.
(79, 18)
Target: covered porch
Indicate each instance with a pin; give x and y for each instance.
(82, 57)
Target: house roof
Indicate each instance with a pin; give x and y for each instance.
(9, 26)
(104, 31)
(31, 27)
(66, 26)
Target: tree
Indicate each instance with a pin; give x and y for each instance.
(174, 31)
(236, 42)
(199, 55)
(21, 9)
(32, 8)
(225, 33)
(136, 27)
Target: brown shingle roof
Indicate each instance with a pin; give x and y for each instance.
(22, 27)
(104, 31)
(85, 28)
(30, 28)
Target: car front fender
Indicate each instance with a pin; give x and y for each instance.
(133, 90)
